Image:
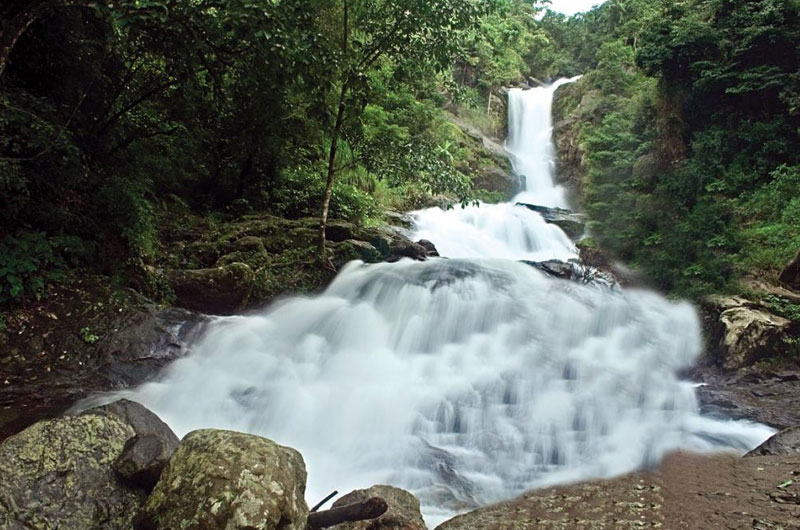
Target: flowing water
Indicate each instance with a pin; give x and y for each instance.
(466, 380)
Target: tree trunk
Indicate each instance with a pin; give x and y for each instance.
(337, 131)
(326, 201)
(359, 511)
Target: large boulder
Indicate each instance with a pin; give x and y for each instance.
(786, 442)
(220, 290)
(403, 512)
(791, 273)
(221, 479)
(144, 456)
(58, 474)
(743, 332)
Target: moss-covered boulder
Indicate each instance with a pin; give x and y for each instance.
(58, 474)
(219, 290)
(221, 479)
(403, 512)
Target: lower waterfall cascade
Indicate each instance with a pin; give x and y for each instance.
(465, 380)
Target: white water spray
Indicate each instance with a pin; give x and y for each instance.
(464, 380)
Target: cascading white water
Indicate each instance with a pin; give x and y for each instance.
(530, 144)
(464, 380)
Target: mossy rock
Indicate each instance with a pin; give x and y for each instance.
(58, 474)
(352, 249)
(223, 479)
(219, 290)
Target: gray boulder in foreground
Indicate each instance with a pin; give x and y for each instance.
(145, 455)
(58, 474)
(227, 480)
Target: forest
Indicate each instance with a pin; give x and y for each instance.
(123, 122)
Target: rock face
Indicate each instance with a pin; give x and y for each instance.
(57, 474)
(403, 512)
(220, 290)
(49, 366)
(574, 271)
(791, 274)
(751, 394)
(146, 454)
(573, 224)
(743, 332)
(222, 479)
(786, 442)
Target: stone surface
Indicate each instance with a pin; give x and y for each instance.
(142, 461)
(785, 442)
(790, 275)
(574, 271)
(145, 455)
(219, 290)
(48, 365)
(403, 513)
(57, 474)
(742, 332)
(573, 224)
(772, 398)
(226, 480)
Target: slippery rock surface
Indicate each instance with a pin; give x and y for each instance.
(57, 474)
(221, 479)
(403, 512)
(772, 398)
(743, 332)
(573, 224)
(575, 271)
(786, 442)
(84, 338)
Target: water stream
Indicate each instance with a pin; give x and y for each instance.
(465, 380)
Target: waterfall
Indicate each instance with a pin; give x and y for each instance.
(465, 380)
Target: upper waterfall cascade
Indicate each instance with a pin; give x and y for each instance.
(465, 380)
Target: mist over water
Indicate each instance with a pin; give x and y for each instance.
(466, 380)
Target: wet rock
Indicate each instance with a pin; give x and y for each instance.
(743, 332)
(429, 247)
(786, 442)
(52, 367)
(573, 270)
(57, 474)
(791, 273)
(573, 224)
(223, 479)
(751, 394)
(353, 249)
(403, 513)
(220, 290)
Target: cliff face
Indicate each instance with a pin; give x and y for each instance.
(569, 105)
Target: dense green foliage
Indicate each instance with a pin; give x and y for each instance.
(116, 117)
(691, 129)
(110, 114)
